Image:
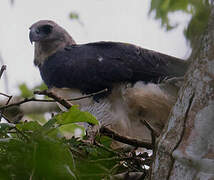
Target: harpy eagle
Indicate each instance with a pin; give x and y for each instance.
(130, 73)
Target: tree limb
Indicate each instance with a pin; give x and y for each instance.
(52, 95)
(103, 130)
(134, 142)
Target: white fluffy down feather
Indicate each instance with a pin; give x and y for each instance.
(126, 107)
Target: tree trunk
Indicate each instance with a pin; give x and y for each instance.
(185, 149)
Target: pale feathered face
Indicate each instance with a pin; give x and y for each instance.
(48, 37)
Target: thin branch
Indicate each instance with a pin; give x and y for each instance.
(8, 101)
(134, 142)
(106, 148)
(3, 68)
(153, 132)
(8, 96)
(25, 101)
(17, 130)
(65, 102)
(103, 130)
(153, 135)
(50, 94)
(2, 115)
(72, 99)
(89, 95)
(5, 75)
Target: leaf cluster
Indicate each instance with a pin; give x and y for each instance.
(198, 9)
(27, 92)
(30, 150)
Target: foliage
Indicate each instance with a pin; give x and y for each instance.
(74, 15)
(75, 115)
(27, 92)
(29, 150)
(199, 9)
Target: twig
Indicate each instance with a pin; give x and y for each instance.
(25, 101)
(103, 130)
(2, 115)
(3, 68)
(89, 95)
(106, 148)
(153, 135)
(134, 142)
(47, 100)
(2, 111)
(65, 102)
(73, 99)
(8, 96)
(17, 130)
(50, 94)
(153, 132)
(8, 101)
(5, 75)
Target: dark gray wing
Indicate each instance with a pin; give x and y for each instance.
(95, 66)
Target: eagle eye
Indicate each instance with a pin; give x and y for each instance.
(46, 29)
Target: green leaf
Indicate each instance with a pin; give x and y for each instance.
(25, 91)
(105, 140)
(5, 126)
(70, 129)
(50, 123)
(74, 15)
(29, 126)
(75, 115)
(40, 87)
(198, 9)
(38, 117)
(41, 157)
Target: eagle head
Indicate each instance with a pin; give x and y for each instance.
(48, 37)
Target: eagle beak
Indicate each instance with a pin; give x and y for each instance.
(33, 36)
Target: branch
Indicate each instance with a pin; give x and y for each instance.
(47, 93)
(134, 142)
(3, 68)
(17, 130)
(5, 75)
(65, 102)
(8, 96)
(25, 101)
(50, 94)
(154, 134)
(103, 130)
(15, 113)
(89, 95)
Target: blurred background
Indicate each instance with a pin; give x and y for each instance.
(32, 144)
(87, 21)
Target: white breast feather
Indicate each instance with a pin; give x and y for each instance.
(109, 111)
(125, 107)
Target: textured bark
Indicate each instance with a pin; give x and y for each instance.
(185, 149)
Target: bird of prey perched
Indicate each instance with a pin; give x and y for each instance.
(130, 73)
